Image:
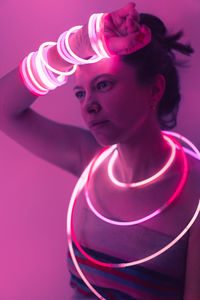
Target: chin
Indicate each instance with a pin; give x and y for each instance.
(105, 141)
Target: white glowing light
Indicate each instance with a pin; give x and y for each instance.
(40, 54)
(99, 33)
(70, 232)
(27, 81)
(42, 73)
(92, 34)
(148, 180)
(76, 58)
(95, 34)
(30, 73)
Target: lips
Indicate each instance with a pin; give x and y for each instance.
(95, 123)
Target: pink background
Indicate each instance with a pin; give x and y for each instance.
(33, 193)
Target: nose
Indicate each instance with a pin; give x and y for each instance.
(91, 105)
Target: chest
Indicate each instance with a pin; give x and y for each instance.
(132, 243)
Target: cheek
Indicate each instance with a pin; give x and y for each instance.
(126, 101)
(83, 115)
(82, 112)
(131, 110)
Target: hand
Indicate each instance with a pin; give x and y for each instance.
(122, 31)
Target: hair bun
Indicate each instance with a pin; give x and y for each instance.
(159, 32)
(154, 23)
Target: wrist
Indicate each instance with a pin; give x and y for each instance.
(80, 43)
(44, 70)
(56, 61)
(83, 44)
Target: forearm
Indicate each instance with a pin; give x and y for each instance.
(14, 95)
(79, 43)
(15, 98)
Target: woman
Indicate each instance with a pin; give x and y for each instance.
(125, 99)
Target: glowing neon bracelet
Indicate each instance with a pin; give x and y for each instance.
(62, 49)
(92, 34)
(43, 74)
(95, 26)
(38, 76)
(79, 60)
(56, 79)
(27, 80)
(32, 77)
(36, 71)
(40, 54)
(101, 41)
(65, 51)
(95, 34)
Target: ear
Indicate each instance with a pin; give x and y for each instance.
(158, 88)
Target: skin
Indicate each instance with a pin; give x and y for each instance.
(132, 125)
(120, 99)
(109, 90)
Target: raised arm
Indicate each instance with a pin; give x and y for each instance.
(68, 147)
(57, 143)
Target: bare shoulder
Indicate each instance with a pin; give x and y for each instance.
(192, 287)
(194, 162)
(89, 148)
(65, 146)
(194, 170)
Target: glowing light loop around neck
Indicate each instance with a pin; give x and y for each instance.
(145, 181)
(70, 233)
(151, 215)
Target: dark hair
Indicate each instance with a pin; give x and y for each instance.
(157, 58)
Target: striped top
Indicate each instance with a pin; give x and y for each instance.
(135, 282)
(158, 279)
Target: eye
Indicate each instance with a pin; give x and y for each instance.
(80, 94)
(105, 84)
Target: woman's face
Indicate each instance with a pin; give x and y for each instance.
(113, 104)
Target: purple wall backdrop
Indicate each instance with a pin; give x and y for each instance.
(33, 193)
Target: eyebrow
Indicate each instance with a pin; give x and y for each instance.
(94, 79)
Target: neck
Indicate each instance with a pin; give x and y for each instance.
(142, 156)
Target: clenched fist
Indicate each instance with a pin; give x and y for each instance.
(122, 31)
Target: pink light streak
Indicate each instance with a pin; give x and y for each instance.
(92, 34)
(155, 213)
(41, 57)
(70, 231)
(27, 81)
(100, 41)
(30, 72)
(148, 180)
